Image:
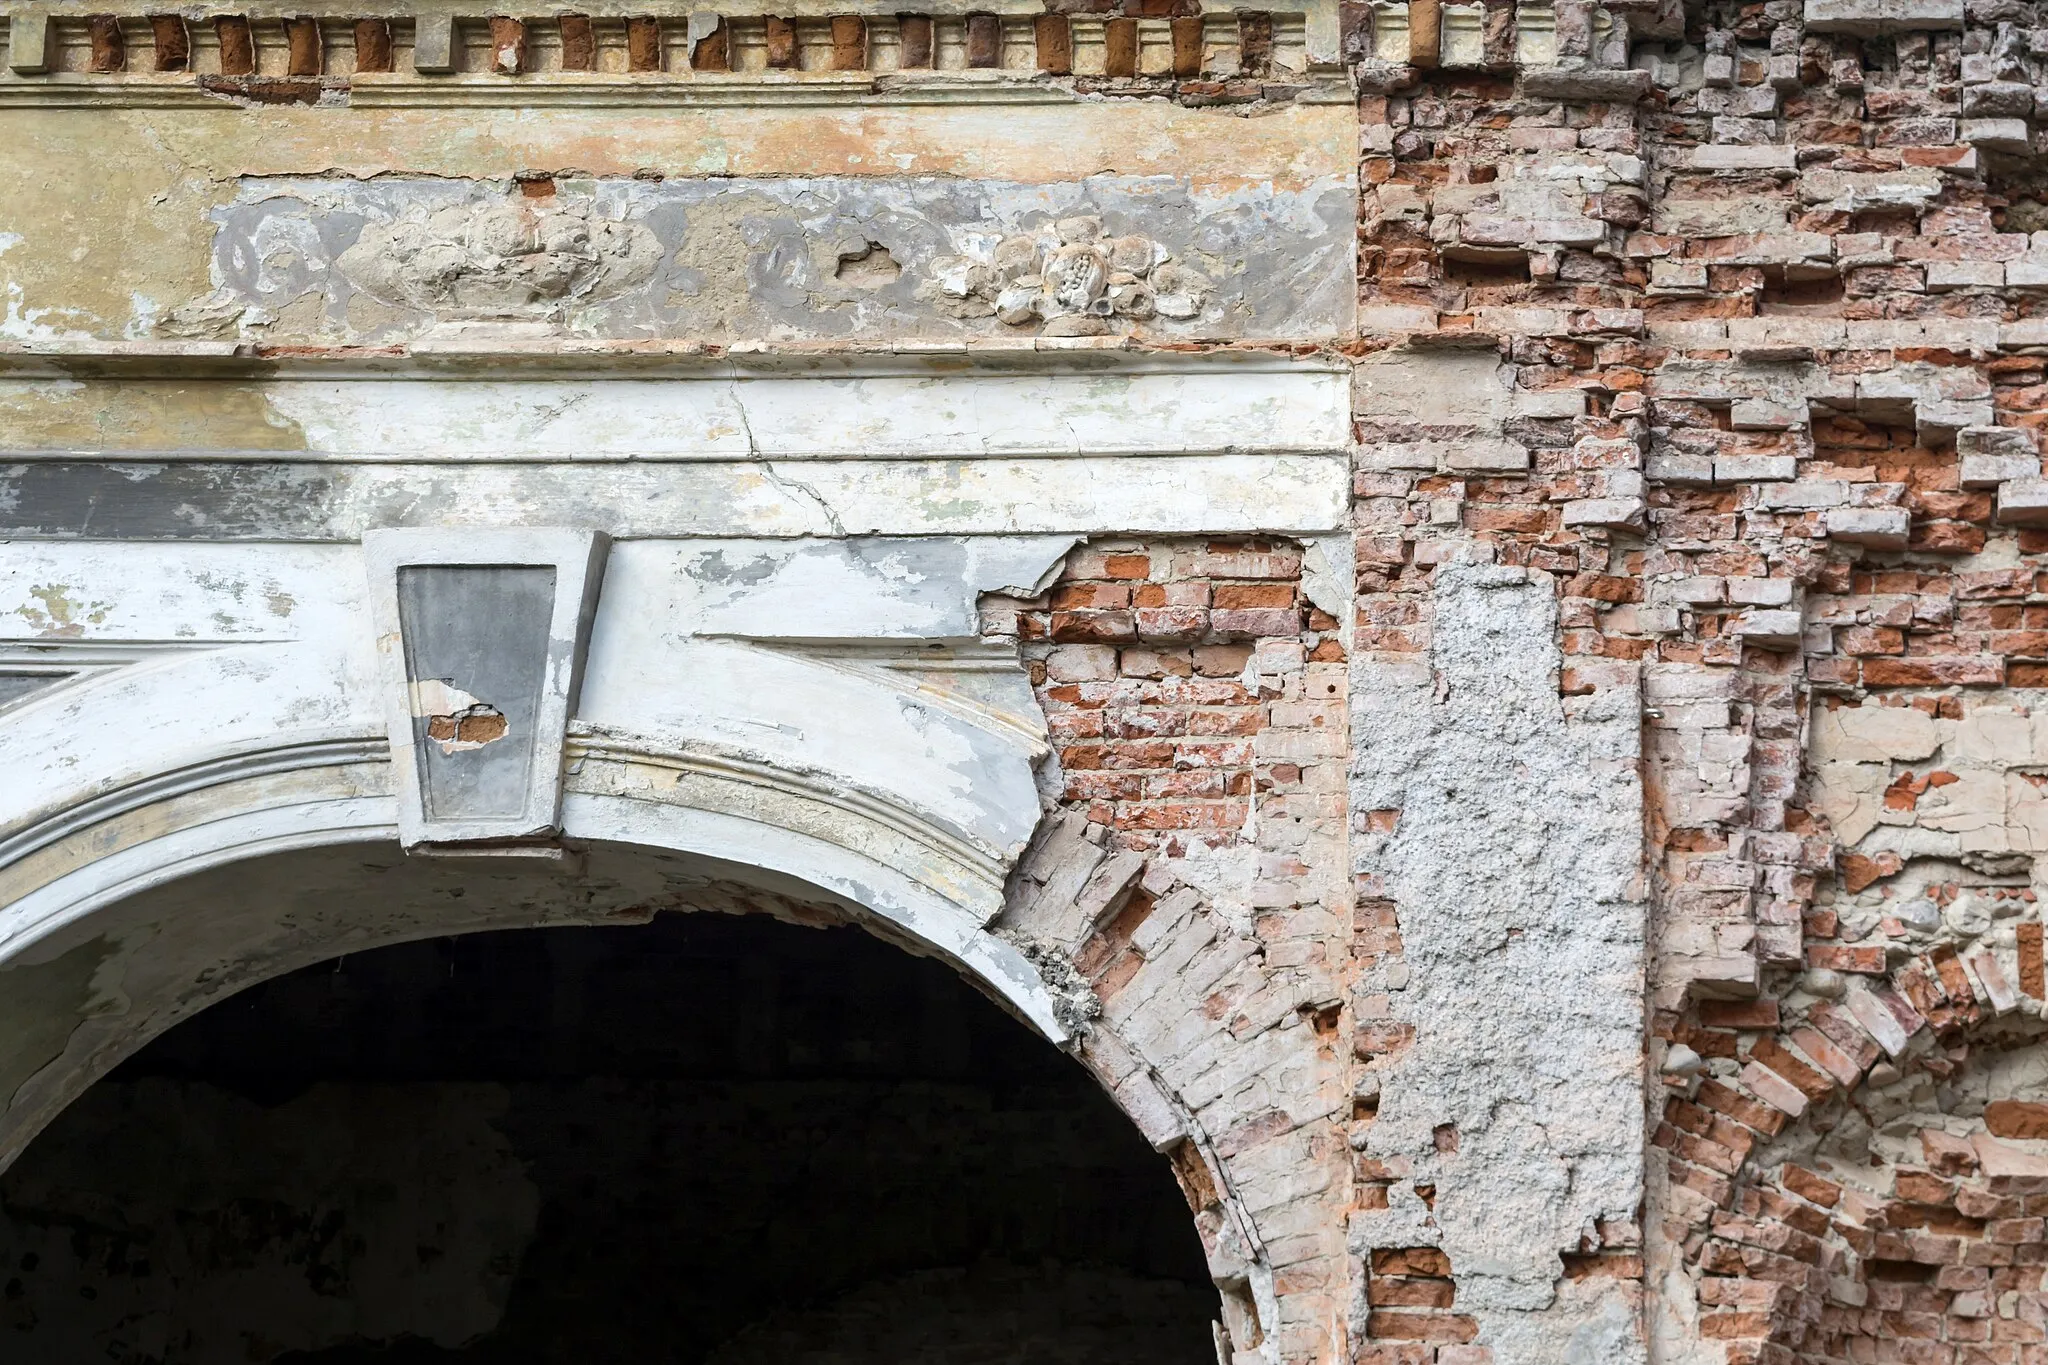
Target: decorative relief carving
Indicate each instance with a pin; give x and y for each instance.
(379, 261)
(1072, 279)
(496, 260)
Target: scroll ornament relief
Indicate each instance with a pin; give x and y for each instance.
(498, 260)
(1072, 279)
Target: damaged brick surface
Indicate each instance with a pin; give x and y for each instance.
(1193, 877)
(1574, 899)
(1745, 366)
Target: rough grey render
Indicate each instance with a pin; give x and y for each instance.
(1515, 864)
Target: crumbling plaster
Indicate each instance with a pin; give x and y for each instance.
(118, 259)
(1512, 858)
(373, 261)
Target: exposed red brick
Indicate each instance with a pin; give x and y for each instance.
(2017, 1118)
(849, 43)
(173, 45)
(984, 40)
(643, 44)
(1120, 47)
(109, 50)
(373, 44)
(1739, 1014)
(1812, 1083)
(1808, 1185)
(1054, 37)
(1187, 45)
(237, 49)
(713, 51)
(303, 53)
(1395, 1326)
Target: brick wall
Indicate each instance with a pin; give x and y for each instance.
(1746, 358)
(1193, 878)
(1185, 684)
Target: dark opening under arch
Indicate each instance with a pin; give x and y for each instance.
(712, 1138)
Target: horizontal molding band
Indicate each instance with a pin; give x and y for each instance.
(487, 357)
(516, 458)
(594, 92)
(956, 420)
(330, 503)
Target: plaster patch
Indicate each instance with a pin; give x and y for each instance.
(1514, 871)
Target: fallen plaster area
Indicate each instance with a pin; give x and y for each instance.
(1506, 828)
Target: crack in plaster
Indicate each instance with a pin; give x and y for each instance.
(776, 477)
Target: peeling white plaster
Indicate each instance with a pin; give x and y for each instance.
(200, 593)
(143, 314)
(26, 324)
(741, 415)
(440, 697)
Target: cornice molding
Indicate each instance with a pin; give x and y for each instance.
(434, 57)
(80, 91)
(487, 354)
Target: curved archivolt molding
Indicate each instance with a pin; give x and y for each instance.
(138, 918)
(138, 780)
(131, 912)
(125, 913)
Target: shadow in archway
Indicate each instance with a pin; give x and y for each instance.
(713, 1138)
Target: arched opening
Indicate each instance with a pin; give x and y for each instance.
(710, 1137)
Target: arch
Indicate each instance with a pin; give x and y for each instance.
(68, 875)
(95, 977)
(824, 713)
(674, 1081)
(748, 733)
